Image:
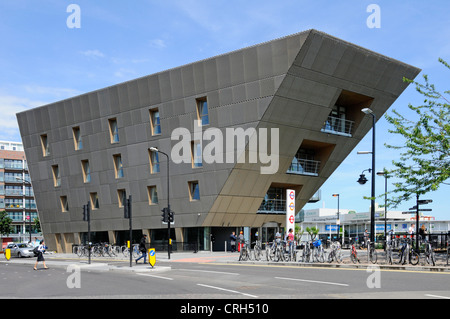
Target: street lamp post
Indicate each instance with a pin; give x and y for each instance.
(154, 149)
(28, 217)
(372, 195)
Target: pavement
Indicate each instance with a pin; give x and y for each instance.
(163, 263)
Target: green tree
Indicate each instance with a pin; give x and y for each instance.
(424, 162)
(5, 225)
(37, 225)
(312, 231)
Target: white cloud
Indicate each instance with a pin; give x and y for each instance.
(9, 106)
(122, 72)
(158, 43)
(92, 53)
(52, 92)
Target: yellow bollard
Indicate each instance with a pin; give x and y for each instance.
(152, 257)
(8, 254)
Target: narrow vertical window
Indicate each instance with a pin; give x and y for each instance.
(94, 201)
(45, 145)
(152, 195)
(118, 167)
(202, 111)
(86, 171)
(56, 176)
(113, 130)
(64, 204)
(154, 162)
(194, 191)
(77, 138)
(121, 196)
(196, 154)
(155, 122)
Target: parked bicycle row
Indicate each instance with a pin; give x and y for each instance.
(106, 250)
(399, 250)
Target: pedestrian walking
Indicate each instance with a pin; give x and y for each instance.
(233, 242)
(143, 249)
(40, 256)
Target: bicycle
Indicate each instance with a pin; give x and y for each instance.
(354, 255)
(82, 251)
(269, 251)
(429, 254)
(135, 251)
(278, 253)
(335, 253)
(389, 252)
(407, 253)
(318, 253)
(245, 252)
(306, 251)
(371, 252)
(257, 250)
(288, 253)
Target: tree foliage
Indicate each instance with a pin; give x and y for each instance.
(5, 223)
(424, 162)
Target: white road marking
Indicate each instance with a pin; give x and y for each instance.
(228, 290)
(313, 281)
(160, 277)
(212, 272)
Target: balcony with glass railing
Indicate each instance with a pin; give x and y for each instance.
(338, 126)
(272, 206)
(304, 167)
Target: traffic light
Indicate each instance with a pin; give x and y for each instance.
(127, 207)
(165, 215)
(171, 216)
(86, 213)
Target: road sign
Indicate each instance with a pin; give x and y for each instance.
(424, 201)
(8, 254)
(152, 257)
(290, 209)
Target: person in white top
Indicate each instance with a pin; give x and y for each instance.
(40, 256)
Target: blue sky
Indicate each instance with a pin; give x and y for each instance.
(42, 60)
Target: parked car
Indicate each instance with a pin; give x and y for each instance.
(21, 250)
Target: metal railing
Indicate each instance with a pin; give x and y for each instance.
(335, 125)
(304, 167)
(272, 206)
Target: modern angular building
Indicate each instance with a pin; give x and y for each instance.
(239, 129)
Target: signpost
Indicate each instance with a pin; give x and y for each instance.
(152, 257)
(290, 209)
(416, 210)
